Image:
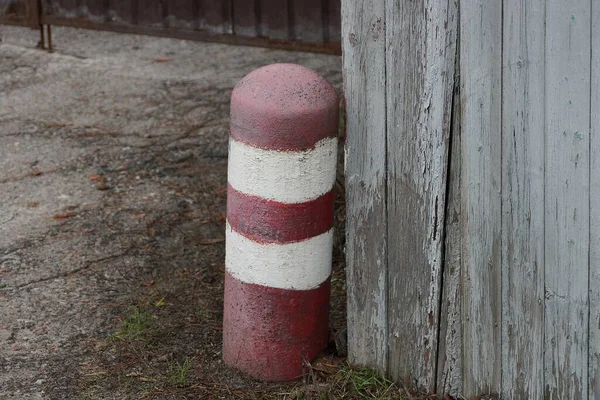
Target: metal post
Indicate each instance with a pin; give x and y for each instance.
(50, 48)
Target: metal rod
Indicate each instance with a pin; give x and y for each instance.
(42, 42)
(50, 49)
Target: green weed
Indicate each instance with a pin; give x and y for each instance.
(137, 325)
(179, 373)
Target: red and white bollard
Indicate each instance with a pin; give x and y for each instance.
(280, 201)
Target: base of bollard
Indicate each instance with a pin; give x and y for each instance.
(271, 333)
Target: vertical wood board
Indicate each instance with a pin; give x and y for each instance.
(363, 37)
(594, 267)
(567, 198)
(420, 77)
(449, 370)
(523, 140)
(480, 66)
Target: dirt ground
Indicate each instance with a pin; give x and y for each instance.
(113, 154)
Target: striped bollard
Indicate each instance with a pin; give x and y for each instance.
(281, 176)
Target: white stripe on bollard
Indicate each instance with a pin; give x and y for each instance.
(301, 265)
(284, 176)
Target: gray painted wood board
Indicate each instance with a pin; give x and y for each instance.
(420, 81)
(594, 284)
(363, 38)
(480, 71)
(523, 106)
(449, 370)
(567, 216)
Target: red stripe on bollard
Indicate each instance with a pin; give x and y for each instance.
(269, 221)
(283, 107)
(270, 332)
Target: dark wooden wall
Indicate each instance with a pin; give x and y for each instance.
(312, 25)
(19, 12)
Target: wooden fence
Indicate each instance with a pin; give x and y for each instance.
(473, 191)
(307, 25)
(302, 25)
(20, 13)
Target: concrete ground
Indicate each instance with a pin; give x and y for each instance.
(113, 154)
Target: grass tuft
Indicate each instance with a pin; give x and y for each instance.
(137, 325)
(368, 384)
(179, 373)
(365, 383)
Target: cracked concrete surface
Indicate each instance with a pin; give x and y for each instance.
(112, 167)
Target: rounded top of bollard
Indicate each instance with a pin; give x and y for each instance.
(283, 107)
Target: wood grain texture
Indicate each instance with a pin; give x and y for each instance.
(523, 199)
(363, 37)
(449, 370)
(567, 198)
(480, 66)
(594, 285)
(420, 79)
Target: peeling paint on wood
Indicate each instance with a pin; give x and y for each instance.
(420, 49)
(523, 199)
(519, 275)
(567, 199)
(480, 69)
(364, 84)
(594, 267)
(449, 370)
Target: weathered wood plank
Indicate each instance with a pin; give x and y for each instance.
(594, 323)
(480, 66)
(449, 370)
(364, 87)
(567, 198)
(420, 81)
(523, 199)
